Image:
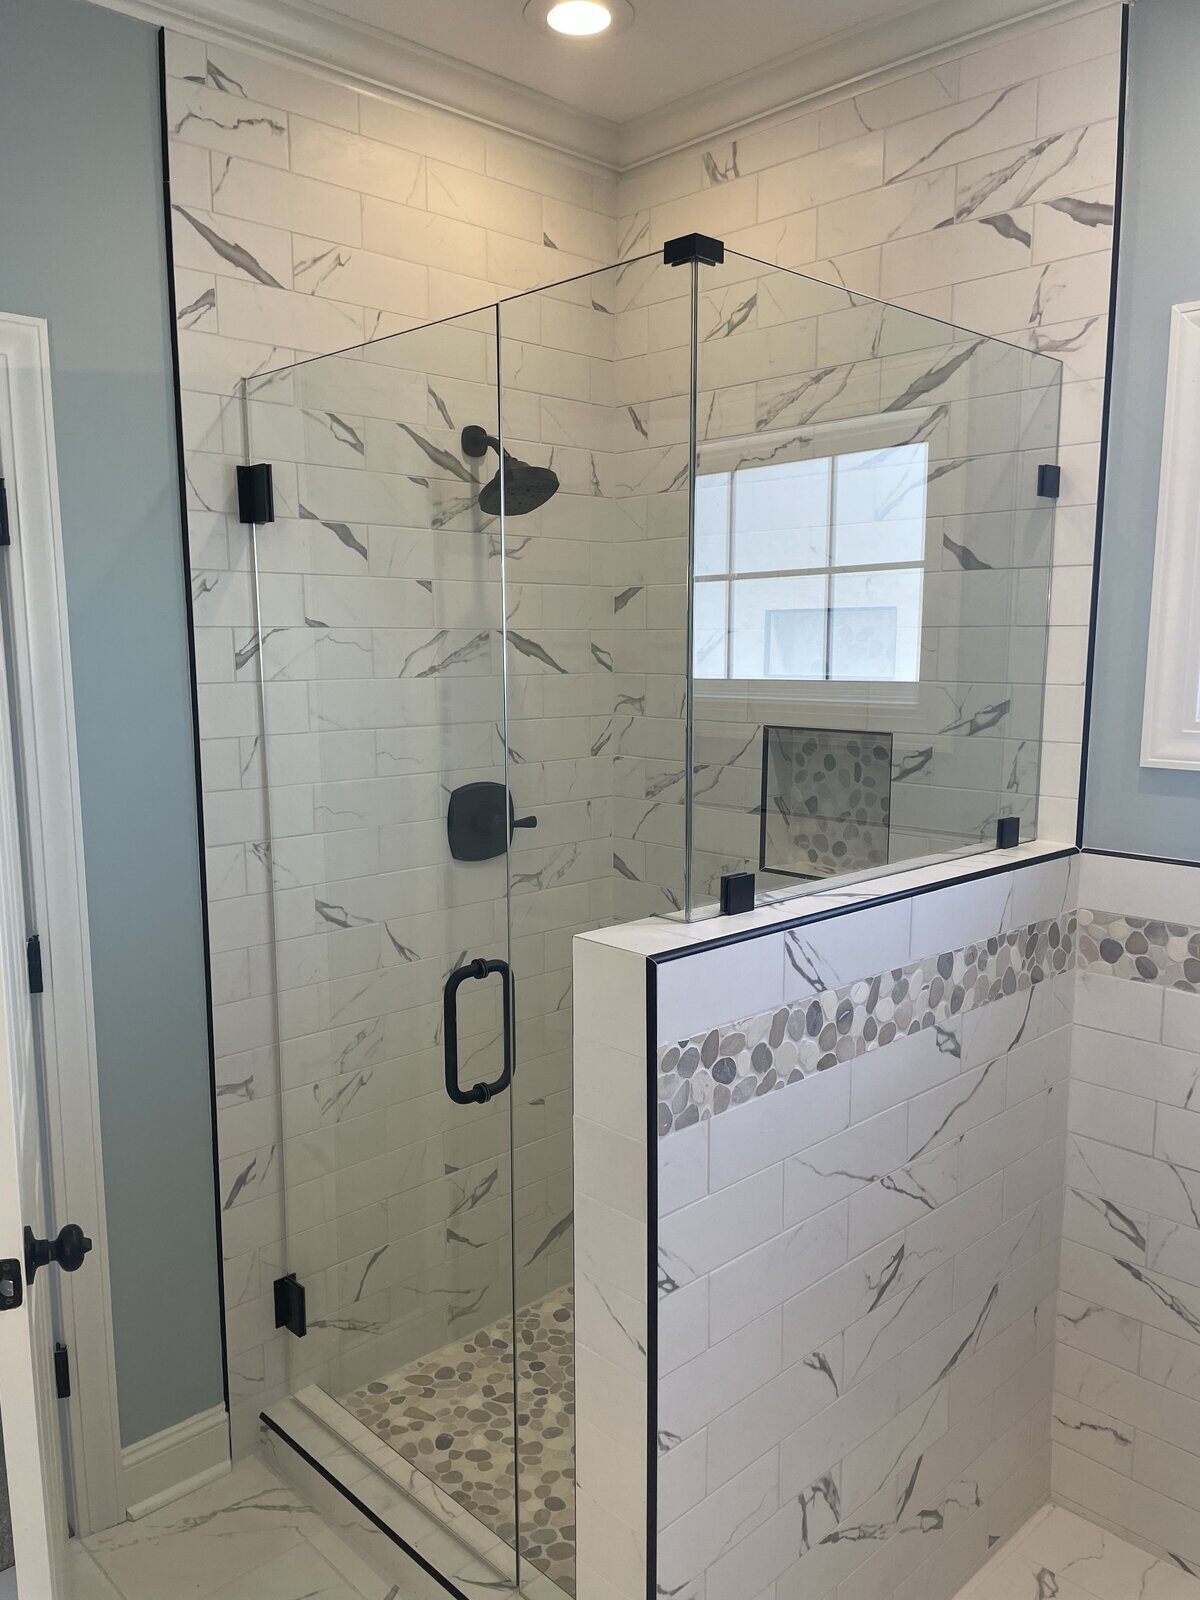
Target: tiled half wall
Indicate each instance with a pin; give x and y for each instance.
(856, 1217)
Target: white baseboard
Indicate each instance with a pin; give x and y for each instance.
(172, 1463)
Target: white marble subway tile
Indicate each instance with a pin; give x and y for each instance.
(769, 1129)
(682, 1168)
(814, 179)
(1113, 1005)
(700, 1390)
(691, 1545)
(1181, 1020)
(830, 954)
(258, 193)
(777, 1269)
(905, 1068)
(699, 991)
(200, 114)
(836, 1168)
(956, 133)
(1115, 1118)
(704, 1236)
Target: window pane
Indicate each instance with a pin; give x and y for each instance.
(712, 522)
(875, 626)
(710, 624)
(781, 516)
(880, 505)
(778, 628)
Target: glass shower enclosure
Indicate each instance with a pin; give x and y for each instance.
(571, 606)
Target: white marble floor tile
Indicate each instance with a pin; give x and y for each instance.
(248, 1536)
(1057, 1553)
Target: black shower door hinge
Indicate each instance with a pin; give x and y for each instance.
(62, 1371)
(33, 964)
(290, 1309)
(256, 493)
(5, 534)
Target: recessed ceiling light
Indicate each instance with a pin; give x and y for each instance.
(579, 18)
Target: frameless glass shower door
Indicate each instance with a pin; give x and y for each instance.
(381, 622)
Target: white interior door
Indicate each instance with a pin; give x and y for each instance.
(28, 1400)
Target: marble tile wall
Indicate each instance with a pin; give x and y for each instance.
(307, 218)
(857, 1267)
(1127, 1375)
(981, 192)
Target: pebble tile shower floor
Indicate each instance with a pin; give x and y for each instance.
(450, 1414)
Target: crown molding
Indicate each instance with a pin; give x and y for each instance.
(865, 57)
(306, 35)
(310, 37)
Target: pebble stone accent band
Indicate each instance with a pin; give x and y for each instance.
(712, 1072)
(1140, 948)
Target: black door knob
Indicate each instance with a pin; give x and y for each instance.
(68, 1250)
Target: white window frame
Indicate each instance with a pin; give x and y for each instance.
(1170, 718)
(824, 440)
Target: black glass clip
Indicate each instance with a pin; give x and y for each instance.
(256, 493)
(1008, 833)
(737, 893)
(1049, 484)
(290, 1309)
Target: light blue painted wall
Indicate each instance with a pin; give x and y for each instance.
(81, 243)
(1144, 811)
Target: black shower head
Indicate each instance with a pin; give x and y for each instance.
(525, 487)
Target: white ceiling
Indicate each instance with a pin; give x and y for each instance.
(674, 48)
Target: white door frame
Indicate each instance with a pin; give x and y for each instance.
(42, 667)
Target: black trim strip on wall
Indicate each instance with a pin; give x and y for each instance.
(194, 693)
(651, 1279)
(1105, 426)
(1130, 855)
(364, 1510)
(827, 914)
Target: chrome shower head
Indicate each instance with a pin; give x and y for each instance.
(525, 487)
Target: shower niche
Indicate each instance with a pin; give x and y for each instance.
(570, 606)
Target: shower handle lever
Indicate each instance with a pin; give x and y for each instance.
(479, 1093)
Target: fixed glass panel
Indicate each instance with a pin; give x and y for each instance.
(870, 583)
(595, 425)
(381, 655)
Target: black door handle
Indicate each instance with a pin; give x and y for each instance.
(479, 1093)
(68, 1250)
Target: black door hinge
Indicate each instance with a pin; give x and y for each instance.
(291, 1311)
(5, 534)
(62, 1371)
(33, 961)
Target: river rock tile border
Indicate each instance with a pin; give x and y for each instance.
(701, 1077)
(1140, 948)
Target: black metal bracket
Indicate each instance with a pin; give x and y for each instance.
(5, 531)
(1049, 484)
(737, 893)
(256, 493)
(12, 1285)
(1008, 833)
(33, 963)
(291, 1311)
(691, 247)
